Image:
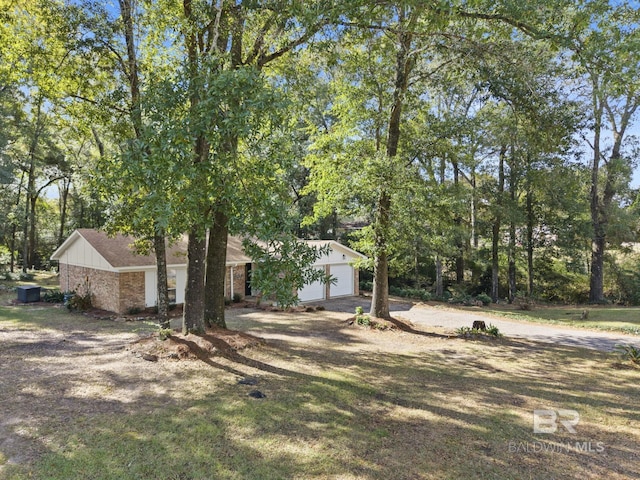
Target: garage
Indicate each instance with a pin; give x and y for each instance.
(339, 263)
(344, 281)
(312, 292)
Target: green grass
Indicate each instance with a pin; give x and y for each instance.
(355, 404)
(620, 319)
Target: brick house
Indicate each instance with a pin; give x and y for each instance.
(120, 279)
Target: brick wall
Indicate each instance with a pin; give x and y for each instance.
(102, 285)
(356, 281)
(131, 292)
(239, 274)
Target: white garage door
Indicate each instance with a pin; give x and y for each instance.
(344, 276)
(311, 292)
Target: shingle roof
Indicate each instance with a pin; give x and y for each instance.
(118, 250)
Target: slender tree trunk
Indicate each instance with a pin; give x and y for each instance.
(457, 221)
(64, 202)
(512, 261)
(27, 216)
(33, 261)
(530, 248)
(495, 230)
(135, 114)
(216, 271)
(160, 249)
(439, 281)
(596, 279)
(14, 226)
(513, 186)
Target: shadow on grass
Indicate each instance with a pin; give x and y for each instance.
(447, 412)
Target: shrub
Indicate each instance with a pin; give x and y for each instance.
(26, 277)
(407, 292)
(134, 310)
(237, 297)
(491, 331)
(484, 298)
(80, 302)
(366, 286)
(629, 353)
(361, 318)
(53, 296)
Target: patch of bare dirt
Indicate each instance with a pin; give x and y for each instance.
(193, 347)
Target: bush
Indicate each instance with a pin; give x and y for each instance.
(407, 292)
(366, 286)
(26, 277)
(53, 296)
(79, 302)
(491, 331)
(629, 353)
(134, 310)
(236, 298)
(484, 298)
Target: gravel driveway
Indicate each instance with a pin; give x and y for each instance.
(451, 318)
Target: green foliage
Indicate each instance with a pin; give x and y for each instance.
(628, 353)
(362, 318)
(491, 331)
(283, 266)
(236, 297)
(406, 292)
(623, 279)
(53, 296)
(134, 310)
(80, 302)
(484, 298)
(558, 281)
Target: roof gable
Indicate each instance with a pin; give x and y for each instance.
(118, 251)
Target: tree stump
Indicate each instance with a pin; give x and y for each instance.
(479, 325)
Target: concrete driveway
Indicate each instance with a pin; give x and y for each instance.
(450, 319)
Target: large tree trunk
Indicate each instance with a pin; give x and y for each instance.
(216, 271)
(193, 316)
(380, 296)
(404, 64)
(495, 230)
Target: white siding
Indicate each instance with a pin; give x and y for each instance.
(181, 284)
(336, 255)
(82, 254)
(150, 288)
(313, 291)
(344, 276)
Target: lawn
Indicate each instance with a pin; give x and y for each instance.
(341, 402)
(603, 317)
